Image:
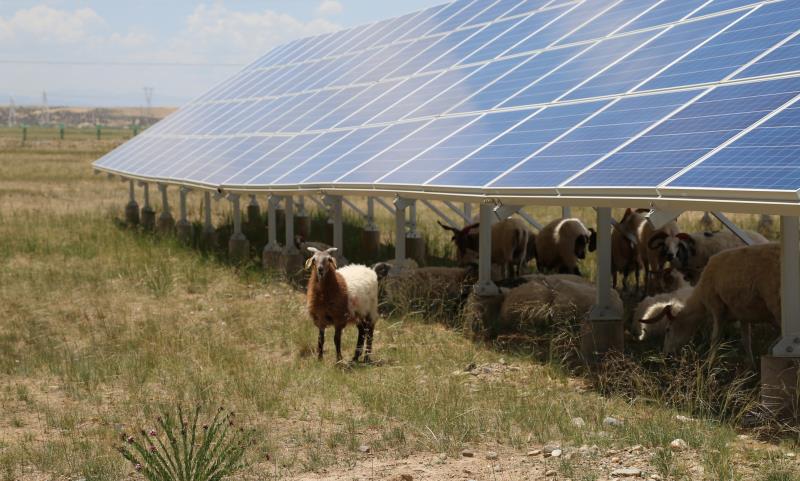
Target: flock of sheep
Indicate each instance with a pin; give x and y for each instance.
(690, 279)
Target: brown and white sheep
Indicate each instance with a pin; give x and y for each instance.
(625, 255)
(650, 306)
(689, 253)
(741, 284)
(338, 297)
(561, 243)
(651, 250)
(510, 239)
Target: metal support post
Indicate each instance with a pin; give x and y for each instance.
(132, 208)
(238, 245)
(335, 203)
(148, 214)
(371, 214)
(166, 223)
(566, 212)
(485, 285)
(289, 248)
(788, 344)
(272, 225)
(400, 205)
(184, 228)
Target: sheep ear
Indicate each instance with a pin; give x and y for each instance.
(592, 240)
(331, 250)
(333, 263)
(313, 250)
(446, 227)
(666, 311)
(309, 262)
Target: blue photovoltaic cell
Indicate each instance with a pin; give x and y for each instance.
(447, 98)
(245, 154)
(722, 5)
(461, 17)
(528, 6)
(525, 140)
(565, 24)
(496, 82)
(569, 75)
(312, 165)
(495, 11)
(211, 150)
(153, 149)
(651, 58)
(424, 94)
(406, 149)
(297, 106)
(523, 27)
(436, 18)
(785, 58)
(219, 167)
(455, 148)
(386, 100)
(412, 57)
(731, 49)
(765, 158)
(478, 37)
(449, 45)
(610, 21)
(352, 105)
(281, 166)
(428, 19)
(255, 161)
(688, 135)
(364, 152)
(597, 137)
(327, 104)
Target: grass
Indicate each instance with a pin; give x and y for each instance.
(102, 327)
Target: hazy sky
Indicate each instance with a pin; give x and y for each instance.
(103, 52)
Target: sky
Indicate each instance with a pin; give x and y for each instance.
(104, 52)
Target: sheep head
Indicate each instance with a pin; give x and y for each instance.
(681, 325)
(465, 239)
(322, 261)
(584, 242)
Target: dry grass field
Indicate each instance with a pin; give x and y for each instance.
(102, 326)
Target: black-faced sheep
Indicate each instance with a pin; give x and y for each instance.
(625, 256)
(561, 243)
(509, 244)
(689, 253)
(740, 284)
(651, 250)
(338, 297)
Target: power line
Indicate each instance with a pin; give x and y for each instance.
(118, 64)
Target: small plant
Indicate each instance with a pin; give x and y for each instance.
(184, 450)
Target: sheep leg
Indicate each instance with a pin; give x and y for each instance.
(320, 343)
(359, 343)
(747, 343)
(369, 331)
(337, 340)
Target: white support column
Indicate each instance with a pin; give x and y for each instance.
(237, 216)
(412, 220)
(603, 310)
(165, 211)
(485, 285)
(371, 215)
(131, 193)
(788, 344)
(272, 225)
(335, 203)
(146, 195)
(301, 206)
(184, 220)
(208, 227)
(400, 205)
(566, 212)
(468, 212)
(289, 248)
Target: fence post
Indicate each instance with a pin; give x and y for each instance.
(24, 133)
(61, 131)
(97, 128)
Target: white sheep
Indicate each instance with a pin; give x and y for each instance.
(340, 297)
(561, 243)
(741, 284)
(689, 253)
(650, 307)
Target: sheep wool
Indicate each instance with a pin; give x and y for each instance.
(557, 245)
(649, 307)
(362, 291)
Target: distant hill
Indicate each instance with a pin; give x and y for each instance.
(87, 116)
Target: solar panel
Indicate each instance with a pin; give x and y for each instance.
(505, 97)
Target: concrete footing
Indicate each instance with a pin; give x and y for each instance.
(271, 258)
(253, 214)
(166, 224)
(780, 387)
(302, 226)
(132, 213)
(370, 244)
(208, 239)
(183, 229)
(148, 218)
(599, 337)
(238, 248)
(291, 263)
(415, 249)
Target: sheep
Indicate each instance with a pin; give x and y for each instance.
(302, 245)
(510, 239)
(561, 243)
(547, 298)
(741, 284)
(338, 297)
(625, 255)
(690, 253)
(651, 306)
(651, 246)
(429, 289)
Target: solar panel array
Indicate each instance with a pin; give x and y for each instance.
(505, 96)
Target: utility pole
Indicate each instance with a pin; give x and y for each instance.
(45, 120)
(148, 99)
(12, 112)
